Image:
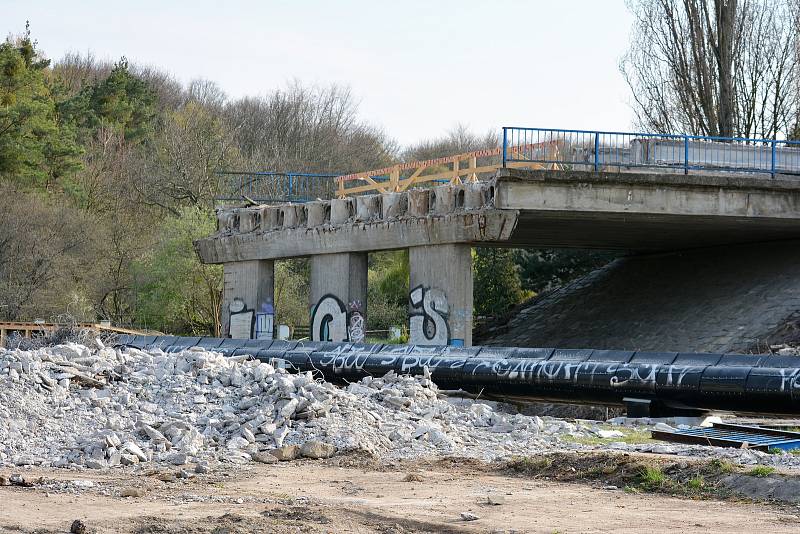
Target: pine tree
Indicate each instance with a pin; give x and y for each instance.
(36, 147)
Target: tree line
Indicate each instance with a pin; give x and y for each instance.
(109, 169)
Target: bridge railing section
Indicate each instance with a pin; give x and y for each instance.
(275, 186)
(456, 169)
(620, 151)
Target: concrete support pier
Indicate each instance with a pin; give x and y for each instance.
(338, 297)
(248, 310)
(440, 301)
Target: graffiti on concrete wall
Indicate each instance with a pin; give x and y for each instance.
(240, 320)
(356, 325)
(265, 321)
(329, 320)
(428, 321)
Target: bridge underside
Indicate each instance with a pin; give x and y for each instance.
(642, 232)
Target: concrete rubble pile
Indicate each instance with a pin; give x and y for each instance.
(70, 405)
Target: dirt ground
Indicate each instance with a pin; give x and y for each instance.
(352, 496)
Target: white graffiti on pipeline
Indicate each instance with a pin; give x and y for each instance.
(790, 379)
(404, 358)
(621, 375)
(343, 358)
(638, 375)
(408, 358)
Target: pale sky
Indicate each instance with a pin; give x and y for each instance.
(417, 67)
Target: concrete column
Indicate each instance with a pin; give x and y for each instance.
(338, 300)
(440, 301)
(248, 310)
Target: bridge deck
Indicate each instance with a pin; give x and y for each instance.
(523, 208)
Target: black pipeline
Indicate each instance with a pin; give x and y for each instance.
(666, 382)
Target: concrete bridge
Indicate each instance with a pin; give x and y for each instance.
(631, 211)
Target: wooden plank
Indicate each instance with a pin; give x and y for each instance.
(418, 178)
(443, 160)
(455, 180)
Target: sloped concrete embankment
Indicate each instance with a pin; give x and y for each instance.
(726, 299)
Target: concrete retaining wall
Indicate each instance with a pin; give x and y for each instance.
(726, 299)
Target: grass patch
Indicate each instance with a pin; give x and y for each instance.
(652, 477)
(630, 436)
(529, 464)
(761, 471)
(722, 467)
(696, 483)
(635, 474)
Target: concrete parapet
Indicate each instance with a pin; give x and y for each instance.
(270, 218)
(419, 202)
(318, 213)
(415, 203)
(476, 195)
(368, 208)
(342, 209)
(446, 198)
(394, 205)
(249, 219)
(227, 220)
(293, 215)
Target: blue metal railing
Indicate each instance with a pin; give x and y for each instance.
(275, 186)
(598, 151)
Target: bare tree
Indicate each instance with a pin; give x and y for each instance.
(457, 140)
(310, 129)
(714, 67)
(42, 247)
(179, 166)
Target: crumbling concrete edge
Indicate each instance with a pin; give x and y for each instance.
(485, 226)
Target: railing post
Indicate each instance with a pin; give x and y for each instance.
(596, 151)
(505, 142)
(772, 167)
(290, 186)
(685, 154)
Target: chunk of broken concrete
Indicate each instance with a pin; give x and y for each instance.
(128, 459)
(496, 500)
(286, 453)
(135, 450)
(166, 477)
(264, 458)
(132, 492)
(317, 450)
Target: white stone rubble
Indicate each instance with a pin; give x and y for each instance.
(71, 405)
